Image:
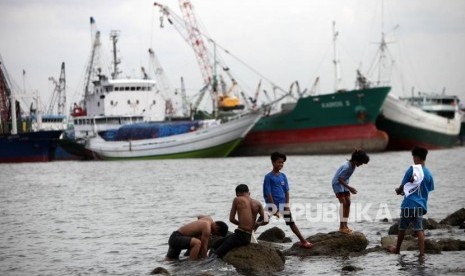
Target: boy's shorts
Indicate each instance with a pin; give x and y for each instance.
(177, 242)
(413, 216)
(343, 195)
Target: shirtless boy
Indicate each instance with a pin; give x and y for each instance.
(247, 210)
(194, 236)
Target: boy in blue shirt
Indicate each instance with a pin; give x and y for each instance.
(276, 194)
(415, 203)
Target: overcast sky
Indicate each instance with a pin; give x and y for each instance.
(283, 41)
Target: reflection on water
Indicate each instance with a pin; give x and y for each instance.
(93, 218)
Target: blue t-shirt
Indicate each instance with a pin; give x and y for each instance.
(344, 172)
(277, 186)
(418, 199)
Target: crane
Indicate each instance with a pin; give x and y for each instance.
(59, 93)
(189, 30)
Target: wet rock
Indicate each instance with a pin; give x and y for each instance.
(159, 271)
(255, 258)
(351, 268)
(451, 245)
(274, 234)
(330, 244)
(431, 246)
(462, 225)
(455, 218)
(410, 244)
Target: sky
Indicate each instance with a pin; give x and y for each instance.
(275, 41)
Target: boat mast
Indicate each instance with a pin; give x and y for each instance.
(336, 61)
(116, 61)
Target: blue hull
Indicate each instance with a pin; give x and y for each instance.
(28, 147)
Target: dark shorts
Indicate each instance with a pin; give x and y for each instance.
(177, 242)
(343, 195)
(413, 216)
(223, 245)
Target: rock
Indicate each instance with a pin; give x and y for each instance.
(462, 225)
(159, 270)
(350, 268)
(410, 243)
(455, 219)
(330, 244)
(451, 245)
(255, 258)
(274, 234)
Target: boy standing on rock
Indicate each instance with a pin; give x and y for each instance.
(415, 186)
(276, 194)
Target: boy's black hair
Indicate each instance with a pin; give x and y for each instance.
(222, 228)
(276, 155)
(420, 152)
(242, 188)
(360, 156)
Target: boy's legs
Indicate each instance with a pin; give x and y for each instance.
(344, 211)
(195, 245)
(290, 221)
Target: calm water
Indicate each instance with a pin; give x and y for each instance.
(114, 218)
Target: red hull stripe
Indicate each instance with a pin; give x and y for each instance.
(314, 135)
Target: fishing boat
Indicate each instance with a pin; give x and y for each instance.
(429, 121)
(18, 141)
(139, 118)
(192, 139)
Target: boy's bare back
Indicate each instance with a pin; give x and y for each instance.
(197, 228)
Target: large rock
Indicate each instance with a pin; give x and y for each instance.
(255, 258)
(410, 243)
(331, 244)
(274, 234)
(455, 219)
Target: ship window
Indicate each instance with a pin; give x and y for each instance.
(154, 102)
(149, 88)
(116, 88)
(98, 104)
(137, 101)
(143, 88)
(133, 88)
(138, 88)
(129, 101)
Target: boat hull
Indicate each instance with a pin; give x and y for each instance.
(217, 141)
(326, 124)
(409, 126)
(29, 147)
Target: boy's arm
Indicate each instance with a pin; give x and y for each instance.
(232, 213)
(204, 217)
(407, 176)
(204, 238)
(350, 188)
(262, 219)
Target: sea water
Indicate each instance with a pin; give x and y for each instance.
(114, 218)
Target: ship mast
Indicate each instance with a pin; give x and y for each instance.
(336, 61)
(116, 61)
